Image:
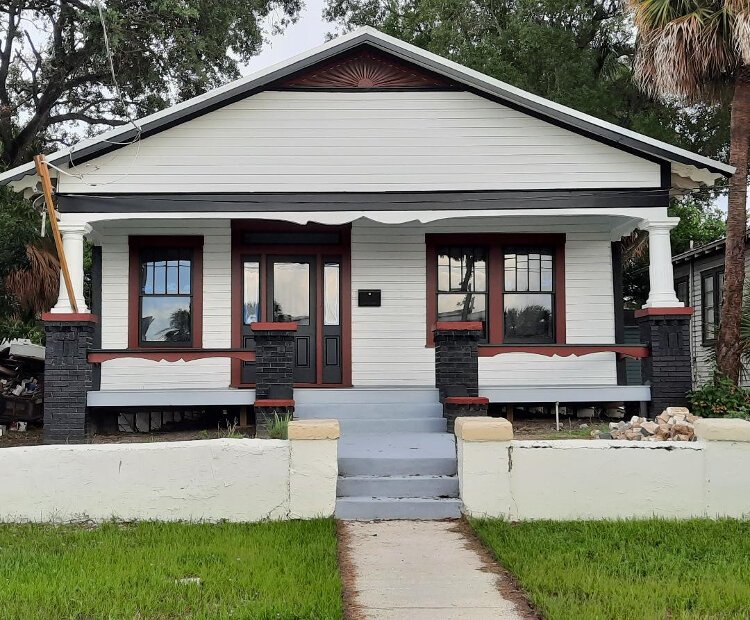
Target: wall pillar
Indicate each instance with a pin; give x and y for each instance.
(67, 376)
(666, 331)
(660, 272)
(274, 373)
(72, 237)
(457, 358)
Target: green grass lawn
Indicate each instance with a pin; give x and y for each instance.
(266, 570)
(630, 569)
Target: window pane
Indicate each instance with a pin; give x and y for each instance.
(185, 278)
(160, 277)
(147, 278)
(462, 307)
(331, 294)
(172, 276)
(546, 273)
(528, 318)
(166, 319)
(510, 272)
(291, 293)
(444, 278)
(251, 292)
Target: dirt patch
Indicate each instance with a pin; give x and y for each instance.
(34, 436)
(544, 428)
(15, 439)
(506, 582)
(352, 609)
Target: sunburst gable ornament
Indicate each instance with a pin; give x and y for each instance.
(366, 69)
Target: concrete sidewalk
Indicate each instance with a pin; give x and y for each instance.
(420, 570)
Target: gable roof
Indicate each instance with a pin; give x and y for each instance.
(469, 78)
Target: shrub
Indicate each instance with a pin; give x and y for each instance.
(720, 398)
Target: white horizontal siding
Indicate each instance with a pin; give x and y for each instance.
(368, 141)
(128, 373)
(388, 343)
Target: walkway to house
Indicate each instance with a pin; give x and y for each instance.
(420, 570)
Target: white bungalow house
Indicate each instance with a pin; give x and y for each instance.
(325, 222)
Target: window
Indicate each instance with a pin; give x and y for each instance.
(712, 289)
(462, 284)
(512, 284)
(165, 300)
(528, 295)
(682, 290)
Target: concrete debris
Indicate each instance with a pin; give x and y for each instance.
(674, 424)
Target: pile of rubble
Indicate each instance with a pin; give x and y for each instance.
(21, 380)
(673, 424)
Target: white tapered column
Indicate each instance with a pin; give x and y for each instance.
(661, 275)
(72, 236)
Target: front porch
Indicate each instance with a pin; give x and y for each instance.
(361, 292)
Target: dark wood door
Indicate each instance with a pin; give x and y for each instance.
(291, 298)
(301, 289)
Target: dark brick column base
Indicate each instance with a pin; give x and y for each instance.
(463, 406)
(457, 357)
(266, 412)
(667, 332)
(68, 377)
(274, 359)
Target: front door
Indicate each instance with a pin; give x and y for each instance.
(301, 289)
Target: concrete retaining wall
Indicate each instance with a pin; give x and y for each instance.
(583, 479)
(230, 479)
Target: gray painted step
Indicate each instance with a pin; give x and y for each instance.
(343, 411)
(405, 425)
(379, 466)
(374, 396)
(368, 508)
(397, 486)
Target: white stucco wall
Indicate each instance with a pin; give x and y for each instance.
(583, 479)
(230, 479)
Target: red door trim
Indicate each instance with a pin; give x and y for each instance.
(320, 252)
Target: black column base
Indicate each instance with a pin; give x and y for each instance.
(668, 370)
(68, 377)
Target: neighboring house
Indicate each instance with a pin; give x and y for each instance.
(378, 198)
(699, 281)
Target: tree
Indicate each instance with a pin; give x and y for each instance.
(699, 50)
(56, 84)
(55, 75)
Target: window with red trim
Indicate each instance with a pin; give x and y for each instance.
(165, 305)
(513, 284)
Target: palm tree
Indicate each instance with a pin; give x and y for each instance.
(699, 50)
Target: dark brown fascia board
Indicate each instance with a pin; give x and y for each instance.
(707, 249)
(475, 84)
(364, 201)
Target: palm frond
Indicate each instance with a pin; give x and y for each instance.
(35, 286)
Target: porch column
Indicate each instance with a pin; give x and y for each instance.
(661, 275)
(72, 236)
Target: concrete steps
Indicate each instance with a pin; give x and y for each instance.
(396, 460)
(370, 508)
(425, 486)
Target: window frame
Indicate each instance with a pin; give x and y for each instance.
(495, 244)
(485, 294)
(686, 281)
(137, 245)
(714, 273)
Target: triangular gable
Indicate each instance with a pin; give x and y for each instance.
(372, 59)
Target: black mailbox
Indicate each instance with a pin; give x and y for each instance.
(368, 298)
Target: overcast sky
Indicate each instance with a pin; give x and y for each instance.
(309, 31)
